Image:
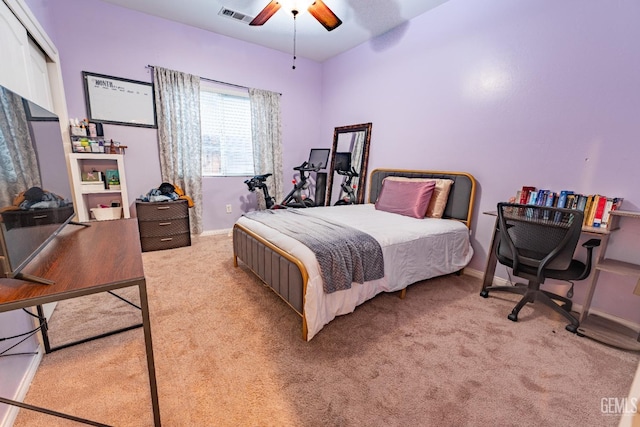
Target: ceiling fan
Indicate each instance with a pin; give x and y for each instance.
(318, 9)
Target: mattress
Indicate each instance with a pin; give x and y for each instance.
(413, 250)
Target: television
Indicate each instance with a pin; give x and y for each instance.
(35, 191)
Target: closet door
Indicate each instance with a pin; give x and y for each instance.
(14, 51)
(39, 77)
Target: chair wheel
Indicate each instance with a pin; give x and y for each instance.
(484, 293)
(513, 317)
(571, 328)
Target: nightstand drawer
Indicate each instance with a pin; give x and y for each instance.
(166, 227)
(152, 211)
(166, 242)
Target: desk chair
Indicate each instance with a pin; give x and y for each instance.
(538, 242)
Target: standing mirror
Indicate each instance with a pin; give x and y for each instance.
(347, 176)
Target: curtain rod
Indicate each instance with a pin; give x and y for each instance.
(218, 81)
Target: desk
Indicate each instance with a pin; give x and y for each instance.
(592, 326)
(492, 260)
(84, 261)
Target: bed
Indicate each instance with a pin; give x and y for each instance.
(413, 249)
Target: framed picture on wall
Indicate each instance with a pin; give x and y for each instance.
(119, 101)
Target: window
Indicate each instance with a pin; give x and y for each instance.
(225, 116)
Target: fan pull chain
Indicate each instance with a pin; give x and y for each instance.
(295, 14)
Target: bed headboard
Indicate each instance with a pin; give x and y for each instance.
(461, 197)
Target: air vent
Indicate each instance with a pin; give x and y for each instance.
(235, 15)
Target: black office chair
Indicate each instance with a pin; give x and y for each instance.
(538, 242)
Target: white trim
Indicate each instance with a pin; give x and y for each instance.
(12, 413)
(226, 231)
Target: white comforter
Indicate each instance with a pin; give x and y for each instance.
(413, 250)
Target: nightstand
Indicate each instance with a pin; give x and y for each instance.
(163, 225)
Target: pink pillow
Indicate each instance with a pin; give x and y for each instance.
(440, 196)
(407, 198)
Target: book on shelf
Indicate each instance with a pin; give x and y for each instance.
(550, 200)
(112, 176)
(605, 214)
(541, 200)
(571, 201)
(524, 194)
(561, 203)
(613, 203)
(517, 198)
(588, 206)
(598, 210)
(562, 198)
(582, 202)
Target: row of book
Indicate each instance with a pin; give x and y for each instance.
(596, 207)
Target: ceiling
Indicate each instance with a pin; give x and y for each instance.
(362, 20)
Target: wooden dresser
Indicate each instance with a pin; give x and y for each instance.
(163, 225)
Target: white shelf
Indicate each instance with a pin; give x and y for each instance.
(100, 191)
(82, 195)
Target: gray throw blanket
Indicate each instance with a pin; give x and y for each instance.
(345, 255)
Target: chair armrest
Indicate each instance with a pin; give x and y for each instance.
(591, 243)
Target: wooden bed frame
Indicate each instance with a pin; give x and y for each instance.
(287, 276)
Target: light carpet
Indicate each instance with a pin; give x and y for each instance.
(229, 352)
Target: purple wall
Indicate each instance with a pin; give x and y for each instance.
(534, 92)
(102, 38)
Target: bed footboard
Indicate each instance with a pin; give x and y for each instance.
(283, 273)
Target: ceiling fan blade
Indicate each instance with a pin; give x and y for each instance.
(324, 15)
(266, 13)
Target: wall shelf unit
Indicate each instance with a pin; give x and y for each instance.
(90, 196)
(597, 327)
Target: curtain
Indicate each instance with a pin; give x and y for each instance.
(177, 97)
(267, 141)
(18, 162)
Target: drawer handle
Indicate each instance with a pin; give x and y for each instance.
(40, 216)
(163, 207)
(166, 239)
(164, 223)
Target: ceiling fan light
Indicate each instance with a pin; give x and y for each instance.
(297, 5)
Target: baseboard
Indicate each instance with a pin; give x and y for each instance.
(499, 281)
(226, 231)
(22, 390)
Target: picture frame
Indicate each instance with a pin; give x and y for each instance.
(119, 101)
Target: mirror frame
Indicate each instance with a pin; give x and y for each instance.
(362, 187)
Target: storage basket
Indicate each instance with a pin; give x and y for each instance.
(103, 214)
